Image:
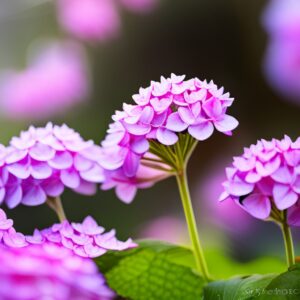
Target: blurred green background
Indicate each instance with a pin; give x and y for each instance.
(212, 39)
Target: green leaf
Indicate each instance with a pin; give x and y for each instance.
(153, 271)
(223, 267)
(240, 288)
(284, 286)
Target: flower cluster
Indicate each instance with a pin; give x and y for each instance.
(86, 239)
(55, 80)
(281, 20)
(41, 162)
(161, 111)
(49, 271)
(267, 175)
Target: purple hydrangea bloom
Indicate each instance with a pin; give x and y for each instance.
(41, 162)
(85, 239)
(267, 175)
(281, 20)
(55, 80)
(89, 20)
(161, 111)
(8, 235)
(48, 271)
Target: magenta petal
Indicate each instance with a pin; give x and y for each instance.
(175, 123)
(160, 105)
(94, 174)
(126, 192)
(292, 157)
(226, 123)
(81, 163)
(61, 160)
(284, 197)
(294, 215)
(269, 167)
(13, 196)
(138, 129)
(15, 156)
(86, 188)
(14, 240)
(20, 170)
(53, 187)
(2, 194)
(34, 196)
(40, 170)
(282, 175)
(186, 115)
(131, 164)
(201, 131)
(140, 146)
(259, 206)
(41, 152)
(70, 178)
(166, 137)
(239, 188)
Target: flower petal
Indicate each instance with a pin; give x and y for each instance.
(284, 196)
(166, 136)
(175, 123)
(201, 131)
(257, 205)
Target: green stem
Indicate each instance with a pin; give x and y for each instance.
(191, 222)
(56, 205)
(288, 242)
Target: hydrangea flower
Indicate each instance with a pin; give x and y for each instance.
(85, 239)
(48, 271)
(161, 112)
(89, 20)
(8, 235)
(55, 80)
(281, 20)
(266, 178)
(41, 162)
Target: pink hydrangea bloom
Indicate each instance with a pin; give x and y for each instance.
(139, 5)
(266, 175)
(49, 271)
(54, 81)
(85, 239)
(41, 162)
(159, 113)
(282, 60)
(8, 235)
(90, 20)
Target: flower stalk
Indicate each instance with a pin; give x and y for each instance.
(177, 157)
(56, 205)
(280, 218)
(191, 223)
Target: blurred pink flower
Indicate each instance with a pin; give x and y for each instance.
(48, 271)
(226, 215)
(54, 81)
(139, 5)
(90, 20)
(85, 239)
(166, 228)
(282, 59)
